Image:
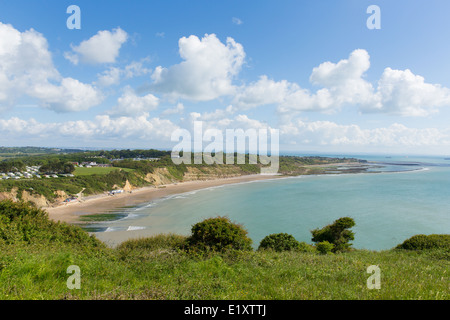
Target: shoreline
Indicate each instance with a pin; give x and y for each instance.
(101, 203)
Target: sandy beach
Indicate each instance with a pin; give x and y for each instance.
(70, 212)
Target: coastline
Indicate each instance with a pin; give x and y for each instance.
(101, 203)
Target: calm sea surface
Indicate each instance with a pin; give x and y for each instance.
(407, 196)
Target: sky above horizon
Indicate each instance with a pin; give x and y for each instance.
(138, 70)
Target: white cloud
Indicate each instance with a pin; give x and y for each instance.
(71, 95)
(344, 80)
(206, 72)
(178, 109)
(101, 128)
(398, 92)
(404, 93)
(103, 47)
(113, 75)
(223, 119)
(26, 69)
(264, 91)
(136, 69)
(237, 21)
(129, 104)
(109, 77)
(327, 133)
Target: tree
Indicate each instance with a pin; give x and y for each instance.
(279, 242)
(337, 233)
(57, 166)
(218, 234)
(11, 165)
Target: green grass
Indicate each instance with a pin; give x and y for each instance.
(37, 273)
(97, 170)
(35, 253)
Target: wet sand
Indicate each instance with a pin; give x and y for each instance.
(71, 212)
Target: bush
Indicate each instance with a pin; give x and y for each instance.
(22, 223)
(279, 242)
(325, 247)
(305, 247)
(218, 234)
(158, 242)
(336, 233)
(424, 242)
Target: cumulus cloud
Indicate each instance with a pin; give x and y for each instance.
(404, 93)
(224, 119)
(178, 109)
(113, 75)
(130, 104)
(101, 128)
(26, 69)
(70, 96)
(206, 72)
(342, 83)
(328, 133)
(103, 47)
(264, 91)
(344, 80)
(109, 77)
(398, 92)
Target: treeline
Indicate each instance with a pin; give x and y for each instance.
(11, 165)
(21, 151)
(101, 156)
(129, 154)
(57, 166)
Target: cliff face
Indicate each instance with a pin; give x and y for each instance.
(11, 195)
(160, 177)
(37, 199)
(211, 173)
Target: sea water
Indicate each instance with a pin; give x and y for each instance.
(398, 198)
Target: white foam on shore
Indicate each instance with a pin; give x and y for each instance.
(112, 229)
(134, 228)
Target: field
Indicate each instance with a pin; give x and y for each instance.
(97, 170)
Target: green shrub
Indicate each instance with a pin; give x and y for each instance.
(325, 247)
(424, 242)
(336, 233)
(22, 223)
(218, 234)
(279, 242)
(305, 247)
(161, 241)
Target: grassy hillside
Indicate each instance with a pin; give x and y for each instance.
(35, 254)
(81, 171)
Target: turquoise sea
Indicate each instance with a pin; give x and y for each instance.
(404, 197)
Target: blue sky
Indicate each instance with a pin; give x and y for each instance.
(138, 70)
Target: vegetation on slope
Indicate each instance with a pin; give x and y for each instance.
(125, 169)
(34, 262)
